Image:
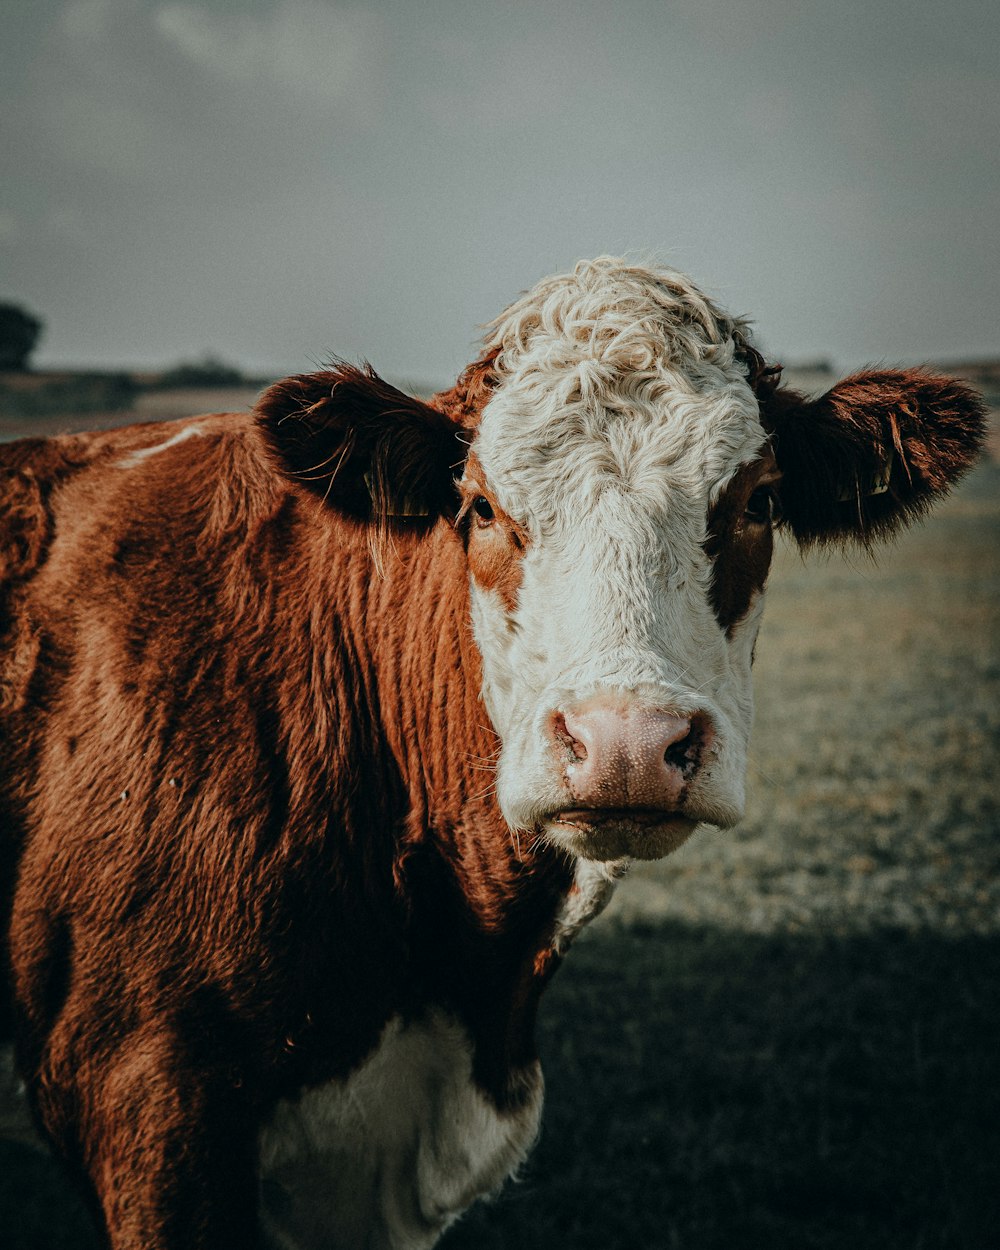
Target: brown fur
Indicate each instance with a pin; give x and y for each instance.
(243, 782)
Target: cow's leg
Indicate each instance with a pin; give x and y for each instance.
(168, 1150)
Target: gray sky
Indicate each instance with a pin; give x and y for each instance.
(274, 180)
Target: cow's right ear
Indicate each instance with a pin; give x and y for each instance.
(363, 446)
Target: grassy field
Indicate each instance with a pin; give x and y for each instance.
(786, 1036)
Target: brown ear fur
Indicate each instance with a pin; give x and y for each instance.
(871, 454)
(464, 402)
(363, 446)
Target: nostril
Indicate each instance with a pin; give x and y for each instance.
(563, 735)
(685, 753)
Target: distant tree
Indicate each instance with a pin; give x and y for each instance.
(19, 332)
(209, 371)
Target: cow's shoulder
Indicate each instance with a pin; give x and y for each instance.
(110, 535)
(173, 488)
(54, 488)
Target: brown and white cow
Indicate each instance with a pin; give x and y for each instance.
(324, 728)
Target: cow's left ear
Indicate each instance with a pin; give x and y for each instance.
(871, 454)
(366, 448)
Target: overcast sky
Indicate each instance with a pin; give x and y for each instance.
(275, 180)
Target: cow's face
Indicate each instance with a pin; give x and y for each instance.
(623, 459)
(617, 507)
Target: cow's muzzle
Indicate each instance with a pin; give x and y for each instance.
(627, 767)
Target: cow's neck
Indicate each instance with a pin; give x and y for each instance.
(488, 905)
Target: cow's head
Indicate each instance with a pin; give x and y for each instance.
(623, 457)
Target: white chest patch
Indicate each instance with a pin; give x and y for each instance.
(389, 1158)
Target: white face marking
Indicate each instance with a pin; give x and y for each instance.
(621, 413)
(394, 1154)
(135, 458)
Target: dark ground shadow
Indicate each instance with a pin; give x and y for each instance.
(709, 1090)
(717, 1090)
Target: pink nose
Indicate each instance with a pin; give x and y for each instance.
(626, 755)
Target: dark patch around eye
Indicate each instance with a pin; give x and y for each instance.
(759, 506)
(740, 544)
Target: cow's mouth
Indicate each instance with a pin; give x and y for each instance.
(617, 832)
(602, 815)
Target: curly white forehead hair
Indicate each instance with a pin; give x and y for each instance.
(614, 371)
(611, 321)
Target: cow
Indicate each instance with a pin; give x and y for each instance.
(324, 728)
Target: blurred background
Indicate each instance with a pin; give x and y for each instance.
(784, 1036)
(266, 181)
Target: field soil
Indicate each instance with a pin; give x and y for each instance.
(786, 1035)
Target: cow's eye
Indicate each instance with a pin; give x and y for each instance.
(762, 506)
(483, 510)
